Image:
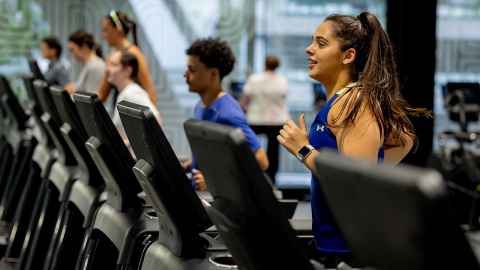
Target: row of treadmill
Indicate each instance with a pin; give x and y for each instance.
(72, 196)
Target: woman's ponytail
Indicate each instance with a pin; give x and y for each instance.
(133, 26)
(98, 50)
(377, 66)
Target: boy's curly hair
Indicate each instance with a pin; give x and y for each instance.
(214, 53)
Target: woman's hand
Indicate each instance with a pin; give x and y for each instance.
(70, 88)
(186, 163)
(294, 137)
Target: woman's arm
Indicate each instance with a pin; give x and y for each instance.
(363, 140)
(394, 155)
(262, 159)
(144, 74)
(70, 88)
(360, 141)
(104, 89)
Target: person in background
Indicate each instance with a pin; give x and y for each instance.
(122, 72)
(264, 97)
(208, 62)
(57, 72)
(115, 29)
(85, 50)
(365, 116)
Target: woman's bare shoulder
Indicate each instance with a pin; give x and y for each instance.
(342, 106)
(135, 50)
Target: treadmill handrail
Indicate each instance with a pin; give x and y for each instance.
(75, 134)
(109, 152)
(54, 123)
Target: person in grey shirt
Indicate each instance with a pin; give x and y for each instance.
(85, 50)
(57, 73)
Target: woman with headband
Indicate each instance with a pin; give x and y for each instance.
(115, 29)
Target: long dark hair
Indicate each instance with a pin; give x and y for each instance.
(375, 71)
(82, 38)
(124, 23)
(128, 59)
(53, 43)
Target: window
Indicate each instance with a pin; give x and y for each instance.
(458, 52)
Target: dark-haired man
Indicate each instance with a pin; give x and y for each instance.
(57, 73)
(209, 61)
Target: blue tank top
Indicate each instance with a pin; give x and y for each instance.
(327, 235)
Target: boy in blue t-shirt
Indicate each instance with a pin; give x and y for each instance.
(209, 61)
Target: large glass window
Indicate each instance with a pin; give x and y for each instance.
(458, 52)
(22, 26)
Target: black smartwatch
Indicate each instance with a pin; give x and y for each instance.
(304, 152)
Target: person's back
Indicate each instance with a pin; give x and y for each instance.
(226, 110)
(265, 97)
(267, 92)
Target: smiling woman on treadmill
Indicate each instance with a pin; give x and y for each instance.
(365, 116)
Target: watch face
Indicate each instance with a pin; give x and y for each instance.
(304, 151)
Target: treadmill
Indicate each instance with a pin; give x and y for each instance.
(55, 189)
(39, 167)
(182, 217)
(245, 210)
(21, 144)
(393, 217)
(86, 194)
(123, 226)
(17, 148)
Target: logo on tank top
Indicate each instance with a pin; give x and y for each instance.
(320, 128)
